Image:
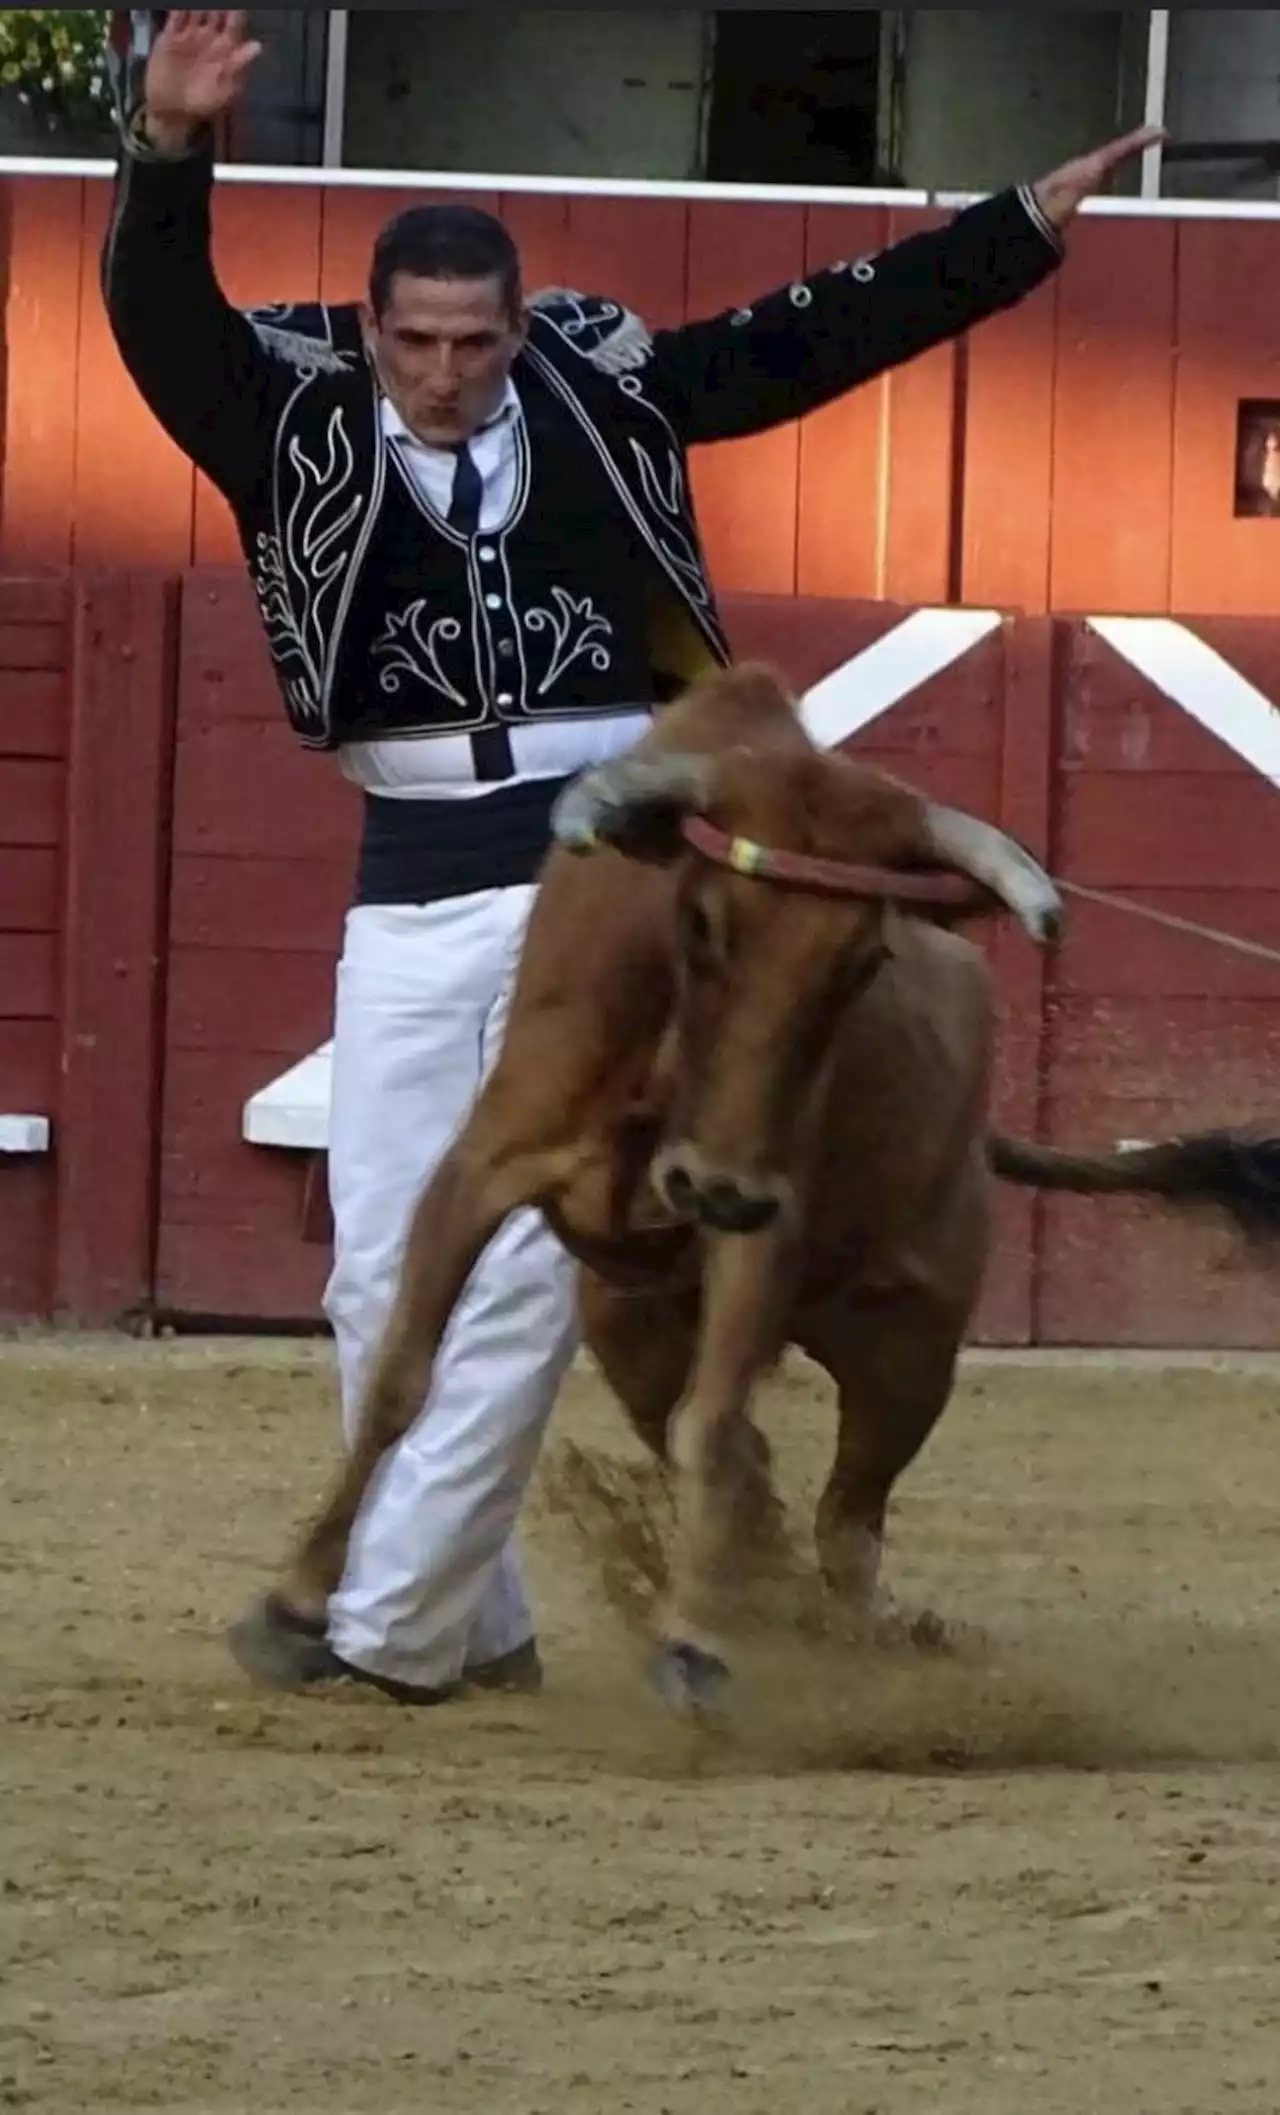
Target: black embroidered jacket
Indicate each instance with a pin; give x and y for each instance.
(280, 408)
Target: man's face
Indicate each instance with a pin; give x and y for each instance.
(443, 349)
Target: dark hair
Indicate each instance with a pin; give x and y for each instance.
(445, 242)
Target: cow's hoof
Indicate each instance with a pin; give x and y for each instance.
(689, 1679)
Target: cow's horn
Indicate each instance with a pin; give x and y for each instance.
(979, 849)
(603, 804)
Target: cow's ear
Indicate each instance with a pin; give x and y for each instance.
(636, 805)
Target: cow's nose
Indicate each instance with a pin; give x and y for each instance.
(729, 1210)
(681, 1193)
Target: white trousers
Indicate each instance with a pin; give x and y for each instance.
(433, 1581)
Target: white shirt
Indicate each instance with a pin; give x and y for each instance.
(493, 451)
(441, 767)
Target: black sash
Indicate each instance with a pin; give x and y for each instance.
(422, 851)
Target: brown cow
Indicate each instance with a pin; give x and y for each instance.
(749, 1089)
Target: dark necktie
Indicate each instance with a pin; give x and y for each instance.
(490, 747)
(468, 490)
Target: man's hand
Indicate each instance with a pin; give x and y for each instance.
(1061, 195)
(194, 73)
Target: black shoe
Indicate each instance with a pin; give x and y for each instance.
(281, 1649)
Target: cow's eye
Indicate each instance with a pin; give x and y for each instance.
(697, 932)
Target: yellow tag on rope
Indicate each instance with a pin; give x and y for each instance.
(746, 857)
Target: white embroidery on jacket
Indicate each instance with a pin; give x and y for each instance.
(405, 647)
(612, 337)
(576, 628)
(300, 567)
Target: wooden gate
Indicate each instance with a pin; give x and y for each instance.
(85, 711)
(264, 844)
(1167, 753)
(264, 841)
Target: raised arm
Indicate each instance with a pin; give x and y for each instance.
(196, 360)
(801, 346)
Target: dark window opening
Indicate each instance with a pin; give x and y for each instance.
(795, 97)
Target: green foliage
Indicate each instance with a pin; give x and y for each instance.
(51, 58)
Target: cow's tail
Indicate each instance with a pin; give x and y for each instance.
(1228, 1173)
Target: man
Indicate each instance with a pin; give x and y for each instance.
(468, 524)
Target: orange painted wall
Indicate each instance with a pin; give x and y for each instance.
(1075, 454)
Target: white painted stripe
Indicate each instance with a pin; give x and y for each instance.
(292, 1112)
(292, 175)
(1131, 207)
(346, 179)
(882, 675)
(24, 1134)
(1189, 671)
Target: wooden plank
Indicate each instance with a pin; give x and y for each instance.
(28, 1085)
(225, 670)
(351, 222)
(28, 977)
(26, 1241)
(839, 543)
(135, 492)
(1006, 456)
(538, 223)
(266, 248)
(806, 636)
(243, 791)
(215, 992)
(42, 341)
(208, 1174)
(1251, 645)
(1124, 830)
(1228, 338)
(970, 782)
(32, 795)
(32, 649)
(33, 713)
(248, 1271)
(30, 891)
(117, 861)
(35, 598)
(1119, 1273)
(1124, 1278)
(219, 903)
(747, 492)
(922, 460)
(1113, 421)
(1106, 953)
(1028, 656)
(28, 1068)
(1114, 719)
(230, 1242)
(634, 250)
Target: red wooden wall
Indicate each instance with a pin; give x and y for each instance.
(86, 710)
(174, 872)
(1076, 453)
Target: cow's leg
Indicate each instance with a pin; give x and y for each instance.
(894, 1367)
(645, 1345)
(727, 1513)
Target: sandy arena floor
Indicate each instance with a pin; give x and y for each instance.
(1041, 1871)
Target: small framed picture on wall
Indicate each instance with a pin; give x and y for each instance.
(1258, 458)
